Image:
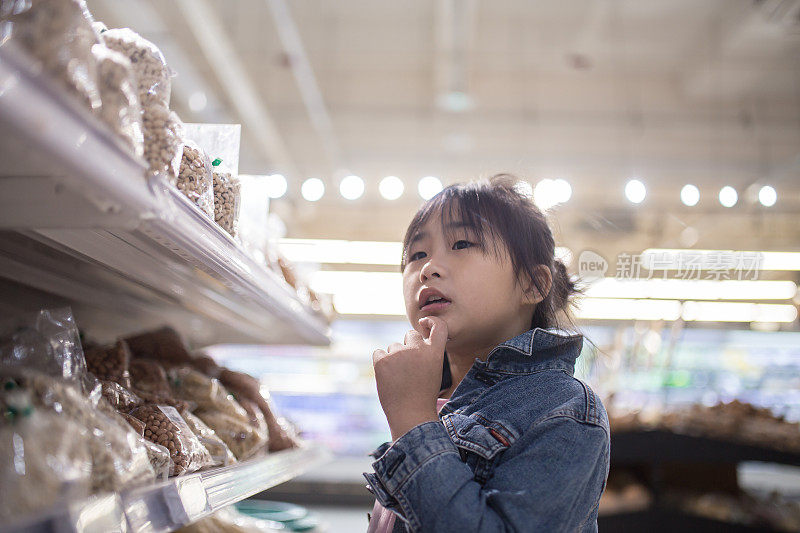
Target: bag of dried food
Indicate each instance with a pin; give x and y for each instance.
(205, 364)
(219, 410)
(46, 341)
(110, 363)
(281, 433)
(220, 453)
(165, 426)
(58, 34)
(195, 179)
(257, 418)
(227, 196)
(163, 138)
(240, 436)
(120, 108)
(153, 76)
(204, 392)
(150, 378)
(119, 457)
(38, 471)
(120, 398)
(164, 345)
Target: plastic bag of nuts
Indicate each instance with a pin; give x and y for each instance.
(150, 67)
(120, 101)
(220, 453)
(38, 471)
(244, 386)
(160, 459)
(163, 138)
(136, 424)
(227, 193)
(117, 453)
(206, 393)
(110, 363)
(164, 345)
(119, 456)
(119, 397)
(240, 436)
(149, 380)
(164, 426)
(59, 36)
(195, 179)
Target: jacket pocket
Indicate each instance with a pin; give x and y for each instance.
(480, 445)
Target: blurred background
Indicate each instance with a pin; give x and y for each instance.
(661, 137)
(639, 126)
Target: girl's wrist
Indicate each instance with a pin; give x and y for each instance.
(402, 426)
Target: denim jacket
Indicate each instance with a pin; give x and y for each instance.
(522, 445)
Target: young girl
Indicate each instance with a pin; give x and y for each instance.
(516, 443)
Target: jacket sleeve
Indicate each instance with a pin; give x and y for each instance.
(550, 479)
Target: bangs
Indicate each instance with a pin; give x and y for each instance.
(460, 209)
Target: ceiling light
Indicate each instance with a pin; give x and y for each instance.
(728, 196)
(635, 191)
(690, 195)
(429, 186)
(679, 289)
(276, 186)
(312, 189)
(767, 196)
(351, 187)
(737, 312)
(562, 190)
(672, 259)
(391, 187)
(627, 309)
(362, 293)
(544, 195)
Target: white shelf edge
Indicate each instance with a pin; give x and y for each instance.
(178, 501)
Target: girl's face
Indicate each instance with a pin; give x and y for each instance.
(473, 290)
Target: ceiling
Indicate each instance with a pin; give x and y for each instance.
(593, 91)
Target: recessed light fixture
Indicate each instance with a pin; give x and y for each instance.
(690, 195)
(635, 191)
(767, 196)
(429, 186)
(728, 196)
(351, 187)
(276, 186)
(391, 187)
(313, 189)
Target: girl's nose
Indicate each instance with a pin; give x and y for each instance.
(429, 270)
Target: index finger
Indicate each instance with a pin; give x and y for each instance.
(412, 336)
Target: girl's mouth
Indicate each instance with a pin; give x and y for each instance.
(436, 305)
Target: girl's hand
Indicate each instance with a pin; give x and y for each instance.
(409, 376)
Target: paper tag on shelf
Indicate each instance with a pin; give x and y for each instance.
(186, 500)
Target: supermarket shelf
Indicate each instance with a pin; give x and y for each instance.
(178, 501)
(668, 521)
(649, 447)
(77, 206)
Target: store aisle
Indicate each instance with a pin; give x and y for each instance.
(340, 519)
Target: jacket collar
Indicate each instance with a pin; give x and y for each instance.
(536, 349)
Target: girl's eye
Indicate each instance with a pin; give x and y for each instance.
(460, 245)
(417, 255)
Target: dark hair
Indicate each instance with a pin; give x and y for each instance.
(496, 209)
